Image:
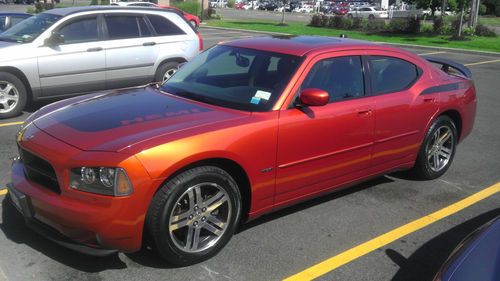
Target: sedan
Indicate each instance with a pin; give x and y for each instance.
(245, 128)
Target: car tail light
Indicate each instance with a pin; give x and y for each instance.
(200, 41)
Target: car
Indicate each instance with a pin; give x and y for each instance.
(239, 6)
(370, 13)
(69, 51)
(245, 128)
(8, 20)
(477, 257)
(192, 19)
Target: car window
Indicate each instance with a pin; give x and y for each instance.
(341, 77)
(80, 30)
(15, 20)
(389, 74)
(122, 27)
(2, 22)
(163, 26)
(145, 31)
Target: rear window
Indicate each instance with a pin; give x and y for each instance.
(389, 74)
(163, 26)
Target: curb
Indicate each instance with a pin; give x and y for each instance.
(427, 48)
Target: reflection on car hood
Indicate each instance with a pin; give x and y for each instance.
(120, 119)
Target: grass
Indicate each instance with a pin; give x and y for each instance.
(490, 20)
(476, 43)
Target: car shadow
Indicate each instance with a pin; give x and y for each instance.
(425, 262)
(16, 231)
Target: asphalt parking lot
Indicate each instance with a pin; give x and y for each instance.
(286, 243)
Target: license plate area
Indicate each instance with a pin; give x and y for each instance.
(22, 202)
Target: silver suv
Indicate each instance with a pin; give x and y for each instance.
(70, 51)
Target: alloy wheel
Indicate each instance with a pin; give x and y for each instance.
(9, 96)
(440, 148)
(168, 74)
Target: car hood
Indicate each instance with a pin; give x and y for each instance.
(121, 119)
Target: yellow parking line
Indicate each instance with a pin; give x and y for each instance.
(10, 124)
(3, 191)
(482, 62)
(332, 263)
(432, 53)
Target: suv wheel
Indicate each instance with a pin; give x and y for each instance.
(165, 71)
(193, 215)
(12, 95)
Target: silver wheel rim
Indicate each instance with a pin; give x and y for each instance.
(168, 74)
(200, 217)
(9, 97)
(440, 148)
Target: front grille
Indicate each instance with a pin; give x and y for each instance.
(39, 171)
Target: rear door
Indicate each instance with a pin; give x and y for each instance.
(131, 50)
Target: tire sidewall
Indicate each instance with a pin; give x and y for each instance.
(177, 187)
(21, 89)
(162, 69)
(424, 166)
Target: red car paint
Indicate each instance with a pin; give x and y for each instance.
(287, 156)
(189, 17)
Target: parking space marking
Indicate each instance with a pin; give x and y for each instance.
(343, 258)
(3, 191)
(481, 62)
(11, 124)
(432, 53)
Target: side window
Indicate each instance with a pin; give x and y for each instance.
(15, 20)
(341, 77)
(390, 74)
(3, 20)
(145, 32)
(163, 26)
(122, 27)
(80, 30)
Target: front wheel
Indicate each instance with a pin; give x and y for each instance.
(193, 216)
(13, 95)
(165, 71)
(437, 150)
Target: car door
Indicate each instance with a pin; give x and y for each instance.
(402, 113)
(320, 147)
(131, 50)
(75, 65)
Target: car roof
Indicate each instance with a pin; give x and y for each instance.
(14, 14)
(72, 10)
(298, 45)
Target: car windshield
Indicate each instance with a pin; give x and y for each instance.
(237, 78)
(30, 28)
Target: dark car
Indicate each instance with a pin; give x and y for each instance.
(8, 20)
(477, 257)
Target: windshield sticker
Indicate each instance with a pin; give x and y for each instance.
(262, 95)
(255, 100)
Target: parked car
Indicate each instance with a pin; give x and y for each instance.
(477, 257)
(8, 20)
(304, 9)
(370, 13)
(192, 19)
(243, 129)
(68, 51)
(239, 6)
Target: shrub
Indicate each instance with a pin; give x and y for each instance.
(482, 9)
(357, 23)
(482, 30)
(230, 3)
(427, 28)
(42, 6)
(414, 25)
(375, 25)
(335, 22)
(316, 20)
(31, 10)
(438, 26)
(210, 14)
(94, 3)
(191, 7)
(104, 2)
(324, 20)
(398, 25)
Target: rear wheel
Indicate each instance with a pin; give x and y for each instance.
(438, 149)
(165, 71)
(193, 216)
(13, 95)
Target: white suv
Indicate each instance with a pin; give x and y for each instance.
(70, 51)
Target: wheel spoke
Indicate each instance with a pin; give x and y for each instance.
(13, 98)
(445, 137)
(5, 104)
(221, 200)
(213, 229)
(191, 197)
(189, 237)
(214, 198)
(436, 161)
(196, 238)
(199, 198)
(179, 221)
(7, 88)
(443, 153)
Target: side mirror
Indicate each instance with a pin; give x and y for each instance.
(54, 39)
(313, 97)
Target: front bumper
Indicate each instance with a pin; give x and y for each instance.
(24, 206)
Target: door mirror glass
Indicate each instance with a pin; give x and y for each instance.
(54, 39)
(313, 97)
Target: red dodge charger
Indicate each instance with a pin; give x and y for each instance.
(245, 128)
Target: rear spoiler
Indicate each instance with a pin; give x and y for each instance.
(447, 64)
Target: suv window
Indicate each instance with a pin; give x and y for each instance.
(80, 30)
(3, 19)
(341, 77)
(122, 27)
(163, 26)
(390, 74)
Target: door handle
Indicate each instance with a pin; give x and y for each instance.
(149, 44)
(96, 49)
(364, 111)
(429, 99)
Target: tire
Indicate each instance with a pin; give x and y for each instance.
(432, 161)
(175, 215)
(165, 68)
(371, 17)
(13, 101)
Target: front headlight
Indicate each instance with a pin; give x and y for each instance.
(101, 180)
